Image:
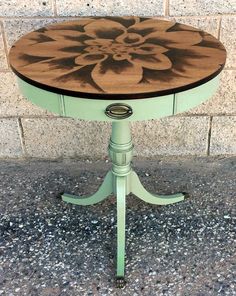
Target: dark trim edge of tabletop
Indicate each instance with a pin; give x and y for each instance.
(116, 96)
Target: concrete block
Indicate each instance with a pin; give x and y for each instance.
(3, 59)
(10, 142)
(15, 28)
(26, 8)
(171, 136)
(223, 135)
(228, 38)
(115, 7)
(201, 7)
(11, 102)
(224, 101)
(208, 24)
(65, 137)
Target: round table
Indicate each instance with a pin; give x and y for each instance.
(118, 69)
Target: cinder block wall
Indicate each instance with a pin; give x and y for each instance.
(28, 131)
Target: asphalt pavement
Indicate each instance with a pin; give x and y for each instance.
(50, 248)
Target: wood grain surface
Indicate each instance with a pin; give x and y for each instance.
(117, 57)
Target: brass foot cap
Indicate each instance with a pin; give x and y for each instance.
(120, 282)
(59, 194)
(186, 194)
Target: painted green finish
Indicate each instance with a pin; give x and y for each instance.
(121, 180)
(120, 133)
(45, 99)
(121, 148)
(143, 109)
(138, 190)
(121, 219)
(104, 191)
(191, 98)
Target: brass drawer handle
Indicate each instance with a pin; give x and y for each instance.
(118, 111)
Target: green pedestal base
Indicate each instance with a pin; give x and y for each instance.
(121, 181)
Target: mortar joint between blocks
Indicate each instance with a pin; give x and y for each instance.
(22, 138)
(54, 4)
(166, 8)
(219, 28)
(2, 30)
(209, 136)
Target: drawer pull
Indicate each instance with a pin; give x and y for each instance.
(118, 111)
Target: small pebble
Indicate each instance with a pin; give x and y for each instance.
(227, 217)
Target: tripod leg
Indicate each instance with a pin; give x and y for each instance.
(138, 190)
(104, 190)
(121, 207)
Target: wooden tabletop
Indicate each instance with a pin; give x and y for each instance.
(117, 57)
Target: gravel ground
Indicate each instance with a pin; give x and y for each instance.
(50, 248)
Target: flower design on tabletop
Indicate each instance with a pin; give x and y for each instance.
(141, 53)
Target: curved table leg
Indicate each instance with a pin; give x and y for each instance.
(121, 199)
(138, 190)
(121, 181)
(104, 190)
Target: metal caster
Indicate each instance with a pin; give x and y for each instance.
(120, 282)
(186, 194)
(59, 194)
